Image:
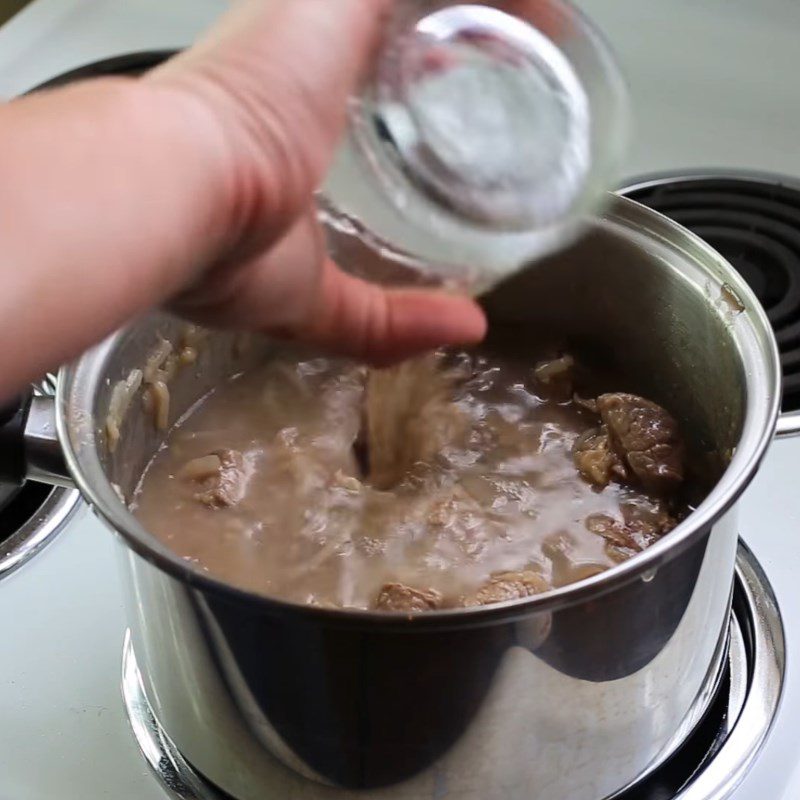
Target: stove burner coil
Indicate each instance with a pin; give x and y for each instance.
(754, 222)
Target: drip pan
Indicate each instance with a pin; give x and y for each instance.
(35, 514)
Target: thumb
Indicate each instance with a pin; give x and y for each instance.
(370, 323)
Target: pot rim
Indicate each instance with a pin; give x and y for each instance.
(757, 349)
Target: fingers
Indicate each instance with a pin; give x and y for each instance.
(343, 315)
(276, 75)
(295, 292)
(380, 326)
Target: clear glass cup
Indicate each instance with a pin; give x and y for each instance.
(485, 136)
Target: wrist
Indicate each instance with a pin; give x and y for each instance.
(203, 165)
(247, 167)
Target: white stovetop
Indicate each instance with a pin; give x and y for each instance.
(715, 84)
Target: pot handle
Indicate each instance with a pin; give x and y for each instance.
(13, 415)
(29, 445)
(788, 425)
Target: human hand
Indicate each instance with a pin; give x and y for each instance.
(266, 93)
(193, 188)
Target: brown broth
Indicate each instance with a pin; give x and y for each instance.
(497, 492)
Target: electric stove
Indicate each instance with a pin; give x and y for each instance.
(716, 148)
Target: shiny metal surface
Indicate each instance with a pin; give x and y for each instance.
(583, 700)
(171, 768)
(34, 515)
(43, 453)
(788, 423)
(580, 691)
(46, 388)
(755, 666)
(758, 612)
(47, 520)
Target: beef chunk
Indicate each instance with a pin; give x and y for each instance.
(509, 586)
(222, 478)
(399, 597)
(638, 529)
(646, 438)
(596, 459)
(452, 507)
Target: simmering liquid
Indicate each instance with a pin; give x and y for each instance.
(320, 482)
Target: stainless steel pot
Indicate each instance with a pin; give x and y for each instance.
(571, 695)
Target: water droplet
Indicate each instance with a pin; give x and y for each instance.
(647, 577)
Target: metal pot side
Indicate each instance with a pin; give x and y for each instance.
(576, 693)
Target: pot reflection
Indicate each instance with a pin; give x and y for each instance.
(482, 711)
(621, 633)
